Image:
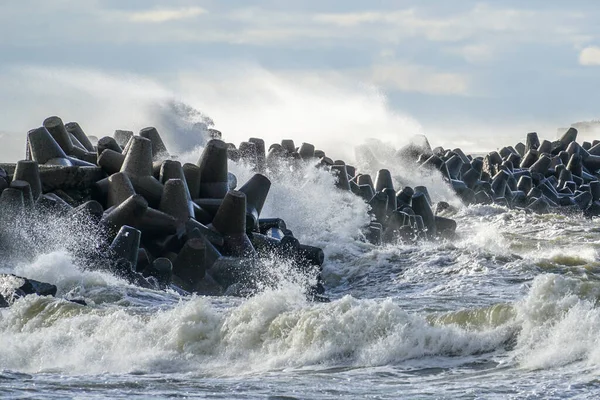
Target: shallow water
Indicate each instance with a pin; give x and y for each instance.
(507, 309)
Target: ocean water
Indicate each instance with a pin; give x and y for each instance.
(507, 309)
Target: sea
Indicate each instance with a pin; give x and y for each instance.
(507, 309)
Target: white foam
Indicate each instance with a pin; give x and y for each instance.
(58, 268)
(557, 324)
(272, 330)
(560, 323)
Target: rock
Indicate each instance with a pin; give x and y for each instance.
(81, 302)
(13, 287)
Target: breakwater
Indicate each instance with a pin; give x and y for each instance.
(161, 224)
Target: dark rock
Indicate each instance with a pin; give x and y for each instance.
(13, 287)
(3, 302)
(81, 302)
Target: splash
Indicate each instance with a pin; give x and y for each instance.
(272, 330)
(242, 101)
(561, 319)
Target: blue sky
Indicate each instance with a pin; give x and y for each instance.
(478, 74)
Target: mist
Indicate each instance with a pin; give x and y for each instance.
(329, 109)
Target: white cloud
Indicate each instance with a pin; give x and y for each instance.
(590, 56)
(474, 53)
(413, 78)
(520, 24)
(94, 21)
(357, 18)
(164, 15)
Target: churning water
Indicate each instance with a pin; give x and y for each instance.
(507, 309)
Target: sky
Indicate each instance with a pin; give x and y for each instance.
(466, 73)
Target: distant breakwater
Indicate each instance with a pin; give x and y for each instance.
(536, 176)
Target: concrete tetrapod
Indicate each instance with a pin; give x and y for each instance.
(190, 263)
(213, 170)
(421, 207)
(341, 176)
(57, 129)
(12, 205)
(90, 211)
(28, 170)
(129, 212)
(161, 269)
(290, 147)
(159, 150)
(171, 169)
(230, 221)
(126, 244)
(119, 189)
(110, 143)
(260, 153)
(256, 191)
(192, 177)
(383, 180)
(111, 161)
(44, 148)
(138, 166)
(75, 129)
(306, 151)
(25, 188)
(175, 200)
(59, 132)
(122, 137)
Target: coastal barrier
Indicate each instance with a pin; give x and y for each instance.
(536, 176)
(189, 227)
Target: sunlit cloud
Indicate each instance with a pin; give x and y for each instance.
(590, 56)
(474, 53)
(414, 78)
(164, 15)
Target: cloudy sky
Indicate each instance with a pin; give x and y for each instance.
(477, 74)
